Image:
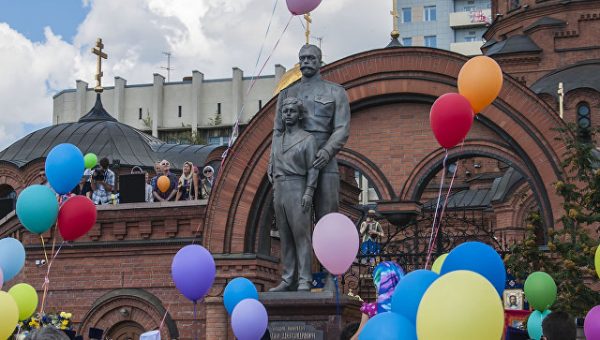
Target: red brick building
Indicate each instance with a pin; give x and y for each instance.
(118, 276)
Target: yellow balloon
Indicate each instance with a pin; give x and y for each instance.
(597, 261)
(26, 298)
(437, 264)
(9, 314)
(461, 305)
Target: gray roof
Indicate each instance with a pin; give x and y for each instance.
(515, 44)
(100, 133)
(545, 21)
(501, 189)
(585, 74)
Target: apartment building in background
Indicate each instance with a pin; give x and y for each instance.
(455, 25)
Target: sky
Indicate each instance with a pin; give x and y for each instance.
(45, 44)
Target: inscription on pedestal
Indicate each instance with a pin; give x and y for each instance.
(293, 330)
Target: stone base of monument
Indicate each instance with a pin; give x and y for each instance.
(309, 315)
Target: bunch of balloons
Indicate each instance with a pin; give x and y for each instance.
(38, 208)
(451, 115)
(20, 302)
(249, 319)
(461, 302)
(540, 290)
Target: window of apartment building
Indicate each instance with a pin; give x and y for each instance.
(179, 111)
(429, 13)
(470, 38)
(407, 41)
(140, 113)
(219, 108)
(470, 8)
(430, 41)
(406, 15)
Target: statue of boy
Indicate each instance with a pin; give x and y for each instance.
(294, 181)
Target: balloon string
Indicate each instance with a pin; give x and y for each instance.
(195, 321)
(337, 299)
(44, 248)
(162, 322)
(47, 279)
(445, 204)
(234, 130)
(437, 205)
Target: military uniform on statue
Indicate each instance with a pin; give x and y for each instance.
(327, 119)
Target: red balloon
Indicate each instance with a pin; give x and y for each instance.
(451, 117)
(76, 217)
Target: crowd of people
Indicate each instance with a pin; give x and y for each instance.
(99, 183)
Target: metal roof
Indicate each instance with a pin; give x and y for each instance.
(101, 134)
(585, 74)
(515, 44)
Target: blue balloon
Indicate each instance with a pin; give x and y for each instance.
(388, 326)
(534, 323)
(237, 290)
(37, 208)
(480, 258)
(64, 167)
(12, 257)
(410, 291)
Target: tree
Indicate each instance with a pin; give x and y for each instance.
(569, 255)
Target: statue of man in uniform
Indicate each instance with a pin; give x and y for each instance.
(327, 119)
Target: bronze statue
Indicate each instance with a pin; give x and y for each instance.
(327, 121)
(294, 181)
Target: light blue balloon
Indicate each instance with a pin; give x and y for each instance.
(237, 290)
(388, 326)
(64, 167)
(534, 323)
(409, 292)
(480, 258)
(37, 208)
(12, 257)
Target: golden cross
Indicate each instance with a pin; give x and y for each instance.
(394, 12)
(308, 21)
(97, 50)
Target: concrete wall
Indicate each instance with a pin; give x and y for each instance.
(199, 100)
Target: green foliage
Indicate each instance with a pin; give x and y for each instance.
(216, 120)
(569, 255)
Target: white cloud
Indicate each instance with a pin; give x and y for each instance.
(211, 36)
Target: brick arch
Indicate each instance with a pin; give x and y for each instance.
(140, 307)
(10, 175)
(523, 121)
(356, 160)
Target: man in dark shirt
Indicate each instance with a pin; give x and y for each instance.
(169, 195)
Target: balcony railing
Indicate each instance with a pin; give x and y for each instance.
(474, 18)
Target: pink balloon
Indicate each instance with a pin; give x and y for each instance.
(299, 7)
(591, 326)
(335, 241)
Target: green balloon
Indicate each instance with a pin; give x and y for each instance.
(90, 160)
(597, 261)
(540, 290)
(26, 298)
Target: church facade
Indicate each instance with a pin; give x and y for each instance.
(117, 277)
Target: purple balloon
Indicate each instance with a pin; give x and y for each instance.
(298, 7)
(335, 241)
(591, 326)
(249, 320)
(193, 271)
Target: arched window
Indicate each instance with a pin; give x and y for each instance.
(584, 120)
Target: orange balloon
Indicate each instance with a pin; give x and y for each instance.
(163, 183)
(480, 81)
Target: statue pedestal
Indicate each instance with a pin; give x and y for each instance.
(308, 315)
